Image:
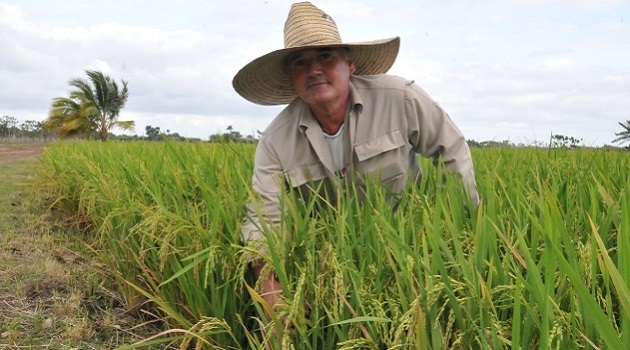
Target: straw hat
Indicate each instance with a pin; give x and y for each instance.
(265, 80)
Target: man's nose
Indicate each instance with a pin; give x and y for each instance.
(314, 67)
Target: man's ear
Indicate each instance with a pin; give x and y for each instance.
(352, 67)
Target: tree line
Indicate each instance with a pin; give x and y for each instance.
(32, 130)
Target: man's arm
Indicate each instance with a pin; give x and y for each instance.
(264, 209)
(433, 134)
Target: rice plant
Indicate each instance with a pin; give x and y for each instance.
(543, 262)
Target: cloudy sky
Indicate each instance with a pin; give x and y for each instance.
(514, 70)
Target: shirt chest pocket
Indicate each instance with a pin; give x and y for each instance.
(305, 174)
(308, 180)
(384, 157)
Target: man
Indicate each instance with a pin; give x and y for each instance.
(345, 118)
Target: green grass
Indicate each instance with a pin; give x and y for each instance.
(542, 263)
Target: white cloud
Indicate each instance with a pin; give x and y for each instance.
(12, 17)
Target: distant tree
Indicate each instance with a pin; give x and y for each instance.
(473, 143)
(623, 136)
(153, 133)
(230, 136)
(32, 129)
(495, 144)
(92, 108)
(175, 137)
(564, 141)
(8, 126)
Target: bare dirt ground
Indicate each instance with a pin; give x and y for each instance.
(10, 152)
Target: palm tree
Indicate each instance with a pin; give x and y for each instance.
(90, 108)
(623, 136)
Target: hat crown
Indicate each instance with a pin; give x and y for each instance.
(308, 25)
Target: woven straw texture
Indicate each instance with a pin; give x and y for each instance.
(265, 80)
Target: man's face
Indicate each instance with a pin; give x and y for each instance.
(320, 75)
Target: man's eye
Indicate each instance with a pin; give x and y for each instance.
(298, 63)
(325, 56)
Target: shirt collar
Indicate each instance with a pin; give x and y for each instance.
(355, 98)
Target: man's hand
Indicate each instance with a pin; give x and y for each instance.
(271, 289)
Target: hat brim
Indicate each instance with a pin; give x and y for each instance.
(265, 80)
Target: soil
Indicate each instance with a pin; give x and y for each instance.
(10, 153)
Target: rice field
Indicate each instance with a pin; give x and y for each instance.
(543, 262)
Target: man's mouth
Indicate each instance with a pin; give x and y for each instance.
(316, 83)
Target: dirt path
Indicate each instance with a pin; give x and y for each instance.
(9, 152)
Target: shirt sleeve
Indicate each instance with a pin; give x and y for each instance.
(265, 202)
(433, 134)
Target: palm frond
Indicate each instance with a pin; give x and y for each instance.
(623, 136)
(128, 125)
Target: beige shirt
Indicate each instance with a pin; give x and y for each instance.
(390, 120)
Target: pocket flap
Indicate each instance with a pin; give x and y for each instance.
(299, 176)
(380, 144)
